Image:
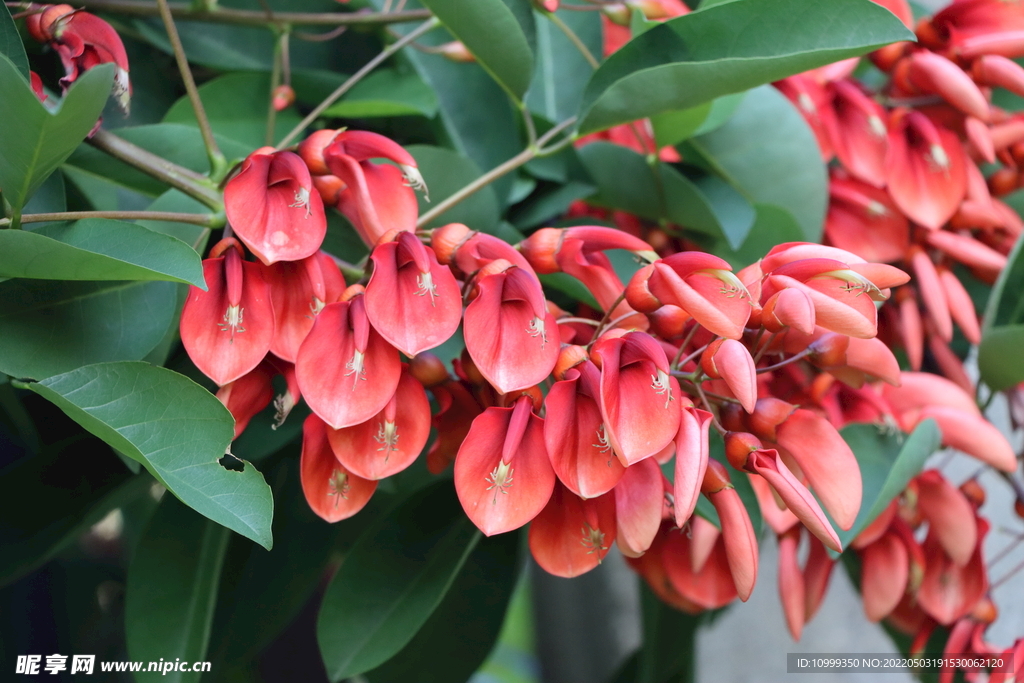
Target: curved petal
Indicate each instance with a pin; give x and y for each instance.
(299, 290)
(639, 497)
(884, 572)
(389, 441)
(571, 536)
(691, 461)
(331, 491)
(791, 584)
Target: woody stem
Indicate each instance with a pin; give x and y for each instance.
(228, 15)
(783, 363)
(574, 39)
(207, 220)
(180, 178)
(412, 35)
(495, 173)
(218, 164)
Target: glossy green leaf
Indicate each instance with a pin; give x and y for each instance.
(496, 33)
(10, 43)
(783, 169)
(626, 181)
(283, 578)
(98, 249)
(562, 72)
(392, 581)
(33, 141)
(51, 327)
(888, 461)
(172, 590)
(176, 429)
(550, 205)
(462, 631)
(673, 127)
(772, 226)
(730, 48)
(446, 172)
(387, 92)
(236, 105)
(999, 357)
(37, 516)
(475, 114)
(669, 646)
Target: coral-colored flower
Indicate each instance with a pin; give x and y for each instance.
(83, 41)
(692, 452)
(864, 220)
(332, 492)
(581, 454)
(639, 506)
(729, 360)
(456, 411)
(346, 370)
(389, 441)
(859, 136)
(300, 290)
(510, 334)
(701, 284)
(228, 329)
(274, 208)
(571, 535)
(502, 473)
(412, 300)
(637, 394)
(737, 531)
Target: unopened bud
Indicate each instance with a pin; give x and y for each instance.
(312, 150)
(768, 414)
(617, 13)
(541, 249)
(456, 51)
(569, 357)
(446, 240)
(829, 350)
(716, 478)
(973, 492)
(739, 446)
(284, 97)
(534, 393)
(428, 369)
(669, 322)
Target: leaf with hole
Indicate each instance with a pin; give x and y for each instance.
(177, 429)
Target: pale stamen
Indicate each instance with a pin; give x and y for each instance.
(500, 479)
(661, 386)
(232, 321)
(535, 329)
(356, 369)
(387, 435)
(338, 486)
(425, 285)
(302, 201)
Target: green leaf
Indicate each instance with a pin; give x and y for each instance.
(1002, 336)
(172, 590)
(562, 72)
(33, 141)
(283, 579)
(673, 127)
(446, 172)
(387, 92)
(730, 48)
(392, 581)
(888, 461)
(783, 169)
(98, 249)
(626, 181)
(772, 226)
(38, 517)
(669, 646)
(50, 327)
(10, 43)
(476, 116)
(462, 631)
(492, 32)
(176, 429)
(550, 205)
(236, 105)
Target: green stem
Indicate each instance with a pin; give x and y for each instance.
(412, 35)
(204, 219)
(228, 15)
(497, 172)
(574, 39)
(180, 178)
(218, 164)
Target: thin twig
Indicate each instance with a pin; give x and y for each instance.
(218, 164)
(574, 39)
(180, 178)
(787, 361)
(495, 173)
(228, 15)
(206, 220)
(412, 35)
(682, 346)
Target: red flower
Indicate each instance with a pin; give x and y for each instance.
(332, 492)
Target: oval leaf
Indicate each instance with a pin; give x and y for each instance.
(783, 169)
(461, 632)
(10, 43)
(729, 48)
(178, 430)
(496, 33)
(887, 463)
(999, 357)
(98, 249)
(50, 327)
(446, 172)
(174, 573)
(33, 141)
(562, 72)
(392, 581)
